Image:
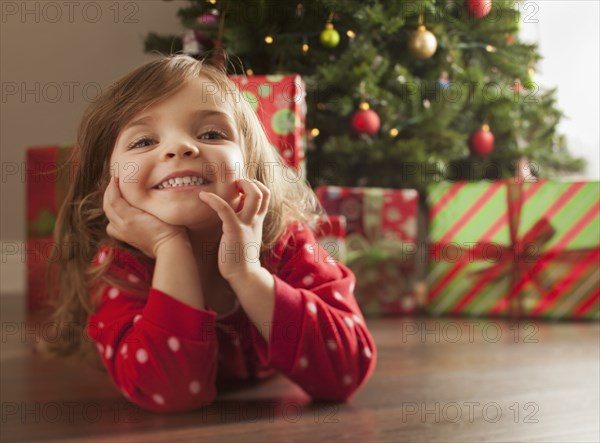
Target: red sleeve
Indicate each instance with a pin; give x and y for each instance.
(159, 352)
(319, 338)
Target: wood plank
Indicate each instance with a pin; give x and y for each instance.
(437, 379)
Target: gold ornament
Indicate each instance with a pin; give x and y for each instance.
(422, 43)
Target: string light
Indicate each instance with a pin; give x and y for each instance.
(268, 39)
(305, 46)
(394, 132)
(314, 132)
(212, 2)
(249, 71)
(350, 33)
(364, 106)
(490, 48)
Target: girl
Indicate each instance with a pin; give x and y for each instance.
(186, 249)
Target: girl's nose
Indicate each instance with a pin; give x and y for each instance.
(182, 150)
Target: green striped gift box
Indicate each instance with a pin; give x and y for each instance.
(503, 248)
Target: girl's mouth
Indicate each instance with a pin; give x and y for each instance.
(183, 183)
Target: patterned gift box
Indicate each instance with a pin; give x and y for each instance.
(280, 103)
(50, 169)
(381, 237)
(514, 249)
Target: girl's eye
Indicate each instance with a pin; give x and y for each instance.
(212, 135)
(141, 143)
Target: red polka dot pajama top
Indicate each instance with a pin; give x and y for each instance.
(167, 356)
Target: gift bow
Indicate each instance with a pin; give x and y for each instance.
(518, 259)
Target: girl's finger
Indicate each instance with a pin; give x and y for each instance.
(253, 200)
(266, 193)
(220, 206)
(109, 200)
(117, 202)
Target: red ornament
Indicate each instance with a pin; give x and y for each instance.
(365, 120)
(479, 8)
(482, 141)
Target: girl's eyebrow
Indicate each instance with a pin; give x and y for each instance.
(197, 114)
(139, 122)
(224, 116)
(213, 113)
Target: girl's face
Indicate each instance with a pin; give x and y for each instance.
(189, 139)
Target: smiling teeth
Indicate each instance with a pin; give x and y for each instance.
(182, 181)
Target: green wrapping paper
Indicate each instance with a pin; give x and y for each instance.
(515, 249)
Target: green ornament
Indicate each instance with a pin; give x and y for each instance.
(329, 37)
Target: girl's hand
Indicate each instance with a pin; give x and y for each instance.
(131, 225)
(239, 250)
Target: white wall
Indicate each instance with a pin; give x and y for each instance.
(568, 36)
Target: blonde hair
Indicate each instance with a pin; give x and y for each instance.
(81, 224)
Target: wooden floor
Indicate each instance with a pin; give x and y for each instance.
(436, 380)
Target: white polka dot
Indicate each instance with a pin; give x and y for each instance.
(108, 352)
(311, 307)
(308, 280)
(137, 317)
(300, 228)
(195, 386)
(158, 399)
(113, 293)
(133, 278)
(368, 353)
(331, 344)
(101, 257)
(173, 343)
(303, 362)
(349, 322)
(309, 248)
(100, 347)
(347, 380)
(124, 349)
(337, 296)
(141, 355)
(329, 259)
(100, 324)
(357, 319)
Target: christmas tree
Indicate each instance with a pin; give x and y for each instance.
(399, 93)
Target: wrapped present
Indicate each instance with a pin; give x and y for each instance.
(381, 239)
(331, 235)
(514, 249)
(50, 169)
(280, 103)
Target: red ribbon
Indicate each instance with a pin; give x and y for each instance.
(516, 259)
